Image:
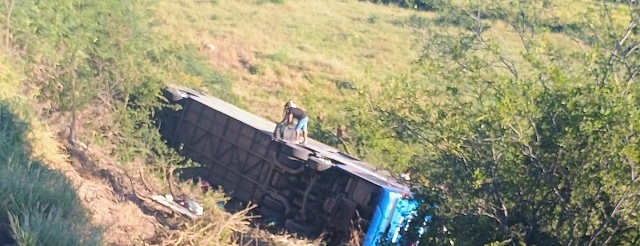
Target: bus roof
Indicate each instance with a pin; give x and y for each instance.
(348, 163)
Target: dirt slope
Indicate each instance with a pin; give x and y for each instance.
(107, 191)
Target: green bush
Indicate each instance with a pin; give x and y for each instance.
(373, 19)
(256, 69)
(280, 56)
(418, 22)
(417, 4)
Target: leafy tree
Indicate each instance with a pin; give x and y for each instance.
(103, 56)
(537, 146)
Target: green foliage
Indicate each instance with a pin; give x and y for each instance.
(256, 69)
(416, 4)
(280, 56)
(372, 19)
(539, 149)
(117, 61)
(414, 21)
(193, 64)
(40, 204)
(51, 228)
(8, 80)
(452, 17)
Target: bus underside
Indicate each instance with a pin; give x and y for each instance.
(293, 186)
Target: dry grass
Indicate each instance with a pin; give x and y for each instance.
(215, 227)
(46, 147)
(301, 48)
(297, 47)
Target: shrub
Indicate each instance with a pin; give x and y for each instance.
(270, 1)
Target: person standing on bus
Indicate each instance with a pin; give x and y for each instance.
(291, 112)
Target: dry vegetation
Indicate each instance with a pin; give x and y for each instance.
(294, 49)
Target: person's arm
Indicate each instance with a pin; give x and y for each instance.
(285, 116)
(290, 117)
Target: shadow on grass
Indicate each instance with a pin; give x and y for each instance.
(38, 206)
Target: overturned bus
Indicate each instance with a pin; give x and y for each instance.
(309, 190)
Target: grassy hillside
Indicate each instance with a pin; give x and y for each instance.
(297, 49)
(323, 53)
(318, 53)
(98, 66)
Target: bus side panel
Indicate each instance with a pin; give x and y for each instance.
(249, 166)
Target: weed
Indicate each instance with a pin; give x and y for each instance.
(50, 227)
(373, 18)
(256, 69)
(40, 204)
(419, 22)
(280, 56)
(270, 1)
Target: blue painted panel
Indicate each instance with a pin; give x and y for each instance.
(391, 218)
(385, 210)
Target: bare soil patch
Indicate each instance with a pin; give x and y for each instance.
(115, 194)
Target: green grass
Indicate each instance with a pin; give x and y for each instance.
(8, 81)
(40, 204)
(283, 45)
